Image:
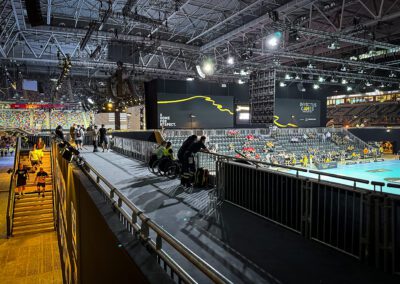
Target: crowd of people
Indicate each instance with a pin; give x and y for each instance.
(77, 134)
(36, 167)
(7, 144)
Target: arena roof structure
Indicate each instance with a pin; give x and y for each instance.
(342, 39)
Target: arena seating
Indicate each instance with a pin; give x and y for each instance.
(39, 119)
(287, 144)
(377, 114)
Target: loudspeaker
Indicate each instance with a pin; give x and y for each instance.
(34, 13)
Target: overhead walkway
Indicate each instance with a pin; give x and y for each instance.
(242, 246)
(32, 254)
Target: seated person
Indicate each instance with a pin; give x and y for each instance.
(159, 151)
(167, 158)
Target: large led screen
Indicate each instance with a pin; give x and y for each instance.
(194, 111)
(297, 113)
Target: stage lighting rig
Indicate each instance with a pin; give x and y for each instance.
(65, 64)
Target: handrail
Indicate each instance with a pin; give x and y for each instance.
(146, 224)
(339, 176)
(11, 193)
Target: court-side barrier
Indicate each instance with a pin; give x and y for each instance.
(213, 132)
(140, 150)
(362, 223)
(154, 237)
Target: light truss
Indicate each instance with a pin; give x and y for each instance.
(334, 74)
(309, 57)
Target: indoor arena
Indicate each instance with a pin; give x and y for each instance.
(200, 141)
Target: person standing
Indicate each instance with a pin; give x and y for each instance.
(104, 138)
(95, 139)
(72, 130)
(185, 145)
(41, 181)
(34, 157)
(79, 137)
(60, 133)
(21, 175)
(189, 166)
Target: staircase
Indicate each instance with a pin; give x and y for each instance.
(34, 213)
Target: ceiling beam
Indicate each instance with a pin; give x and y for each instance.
(262, 20)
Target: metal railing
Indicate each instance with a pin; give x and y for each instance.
(11, 193)
(151, 234)
(335, 214)
(214, 132)
(140, 150)
(362, 223)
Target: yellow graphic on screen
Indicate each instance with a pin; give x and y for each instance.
(207, 99)
(276, 118)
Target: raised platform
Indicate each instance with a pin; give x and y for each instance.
(242, 246)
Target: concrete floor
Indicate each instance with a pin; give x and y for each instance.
(242, 246)
(26, 259)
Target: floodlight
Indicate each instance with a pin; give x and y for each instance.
(230, 60)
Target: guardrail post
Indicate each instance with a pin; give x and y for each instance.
(158, 242)
(306, 208)
(112, 192)
(144, 230)
(119, 201)
(97, 179)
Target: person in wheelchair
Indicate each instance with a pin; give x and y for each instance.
(157, 154)
(167, 158)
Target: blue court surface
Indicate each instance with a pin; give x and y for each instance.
(386, 172)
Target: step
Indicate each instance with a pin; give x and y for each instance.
(37, 216)
(32, 221)
(33, 212)
(33, 229)
(33, 199)
(33, 206)
(33, 194)
(40, 201)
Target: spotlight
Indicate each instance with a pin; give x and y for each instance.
(90, 100)
(392, 75)
(382, 85)
(316, 86)
(287, 77)
(333, 46)
(297, 77)
(349, 88)
(240, 82)
(208, 67)
(189, 79)
(343, 69)
(321, 79)
(310, 66)
(200, 72)
(344, 81)
(282, 84)
(230, 60)
(368, 84)
(109, 105)
(274, 39)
